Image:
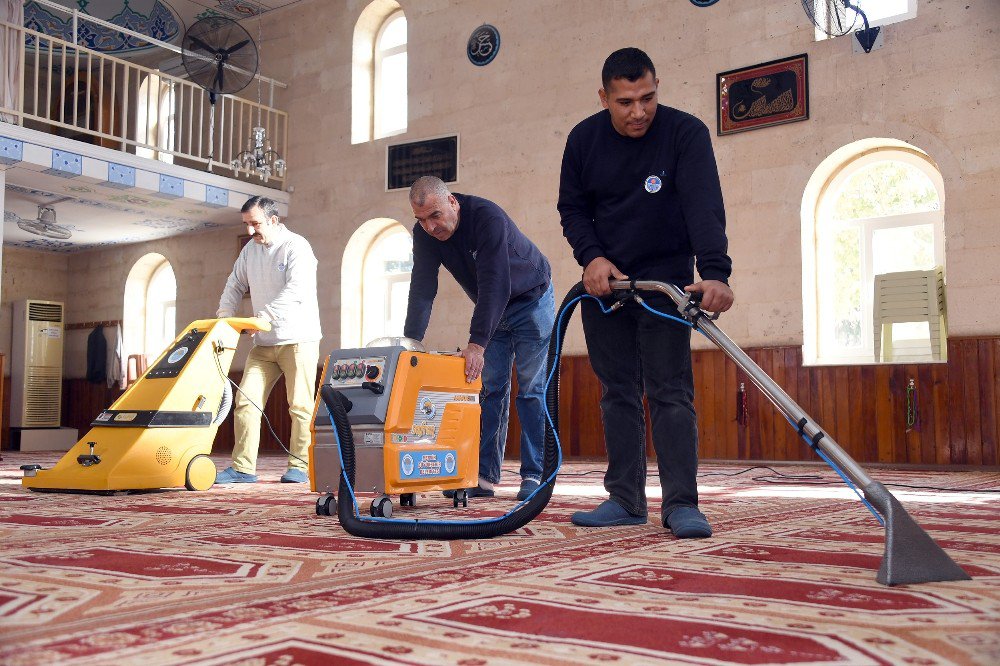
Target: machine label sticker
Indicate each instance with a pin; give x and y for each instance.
(428, 413)
(427, 464)
(103, 416)
(369, 438)
(653, 184)
(177, 354)
(51, 332)
(125, 416)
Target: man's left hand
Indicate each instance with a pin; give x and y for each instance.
(474, 361)
(716, 296)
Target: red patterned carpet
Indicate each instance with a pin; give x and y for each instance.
(250, 575)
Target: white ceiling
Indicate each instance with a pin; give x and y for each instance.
(99, 216)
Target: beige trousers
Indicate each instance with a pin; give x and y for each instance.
(263, 368)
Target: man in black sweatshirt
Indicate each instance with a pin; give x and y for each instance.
(510, 282)
(639, 197)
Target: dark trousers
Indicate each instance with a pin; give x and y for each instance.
(632, 351)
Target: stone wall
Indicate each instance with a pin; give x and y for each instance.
(933, 85)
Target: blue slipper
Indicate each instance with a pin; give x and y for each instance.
(294, 475)
(687, 522)
(528, 486)
(608, 514)
(230, 475)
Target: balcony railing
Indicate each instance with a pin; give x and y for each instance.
(83, 94)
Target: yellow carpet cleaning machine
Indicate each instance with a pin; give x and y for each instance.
(911, 555)
(159, 433)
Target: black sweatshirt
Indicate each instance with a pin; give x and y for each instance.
(648, 205)
(490, 259)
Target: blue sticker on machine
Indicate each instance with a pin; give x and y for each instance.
(427, 464)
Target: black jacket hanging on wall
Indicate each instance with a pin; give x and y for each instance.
(97, 356)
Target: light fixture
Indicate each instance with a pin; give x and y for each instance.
(259, 159)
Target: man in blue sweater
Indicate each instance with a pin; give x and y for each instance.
(510, 282)
(639, 197)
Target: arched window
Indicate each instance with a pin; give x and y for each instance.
(390, 77)
(375, 282)
(150, 323)
(881, 211)
(378, 72)
(161, 310)
(155, 118)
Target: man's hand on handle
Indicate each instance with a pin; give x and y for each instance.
(598, 274)
(473, 355)
(716, 296)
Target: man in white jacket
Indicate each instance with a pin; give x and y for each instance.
(279, 269)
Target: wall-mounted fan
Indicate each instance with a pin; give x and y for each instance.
(45, 225)
(220, 56)
(838, 17)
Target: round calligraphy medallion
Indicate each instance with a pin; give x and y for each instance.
(484, 43)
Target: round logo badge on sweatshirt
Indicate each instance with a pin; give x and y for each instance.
(653, 184)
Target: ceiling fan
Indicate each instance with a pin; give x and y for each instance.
(44, 225)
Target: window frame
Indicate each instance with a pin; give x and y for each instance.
(378, 97)
(386, 280)
(826, 228)
(909, 13)
(159, 316)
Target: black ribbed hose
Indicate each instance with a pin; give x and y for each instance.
(485, 529)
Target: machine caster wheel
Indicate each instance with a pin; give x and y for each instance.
(200, 474)
(381, 507)
(408, 499)
(461, 497)
(324, 504)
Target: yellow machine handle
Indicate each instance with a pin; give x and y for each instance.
(242, 324)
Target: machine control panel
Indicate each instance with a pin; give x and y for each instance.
(171, 364)
(346, 372)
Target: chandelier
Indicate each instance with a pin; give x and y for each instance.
(259, 159)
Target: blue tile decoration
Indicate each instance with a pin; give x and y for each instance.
(216, 197)
(161, 23)
(120, 176)
(171, 187)
(11, 150)
(65, 164)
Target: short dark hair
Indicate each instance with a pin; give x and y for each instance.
(628, 63)
(267, 206)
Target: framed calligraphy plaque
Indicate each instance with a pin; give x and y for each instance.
(772, 93)
(483, 45)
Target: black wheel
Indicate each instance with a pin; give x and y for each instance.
(408, 499)
(324, 504)
(381, 507)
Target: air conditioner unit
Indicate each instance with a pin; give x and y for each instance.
(36, 364)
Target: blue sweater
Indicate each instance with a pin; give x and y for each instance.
(648, 205)
(490, 259)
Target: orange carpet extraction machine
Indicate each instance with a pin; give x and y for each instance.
(159, 433)
(414, 424)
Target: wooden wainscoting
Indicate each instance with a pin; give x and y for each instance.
(863, 407)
